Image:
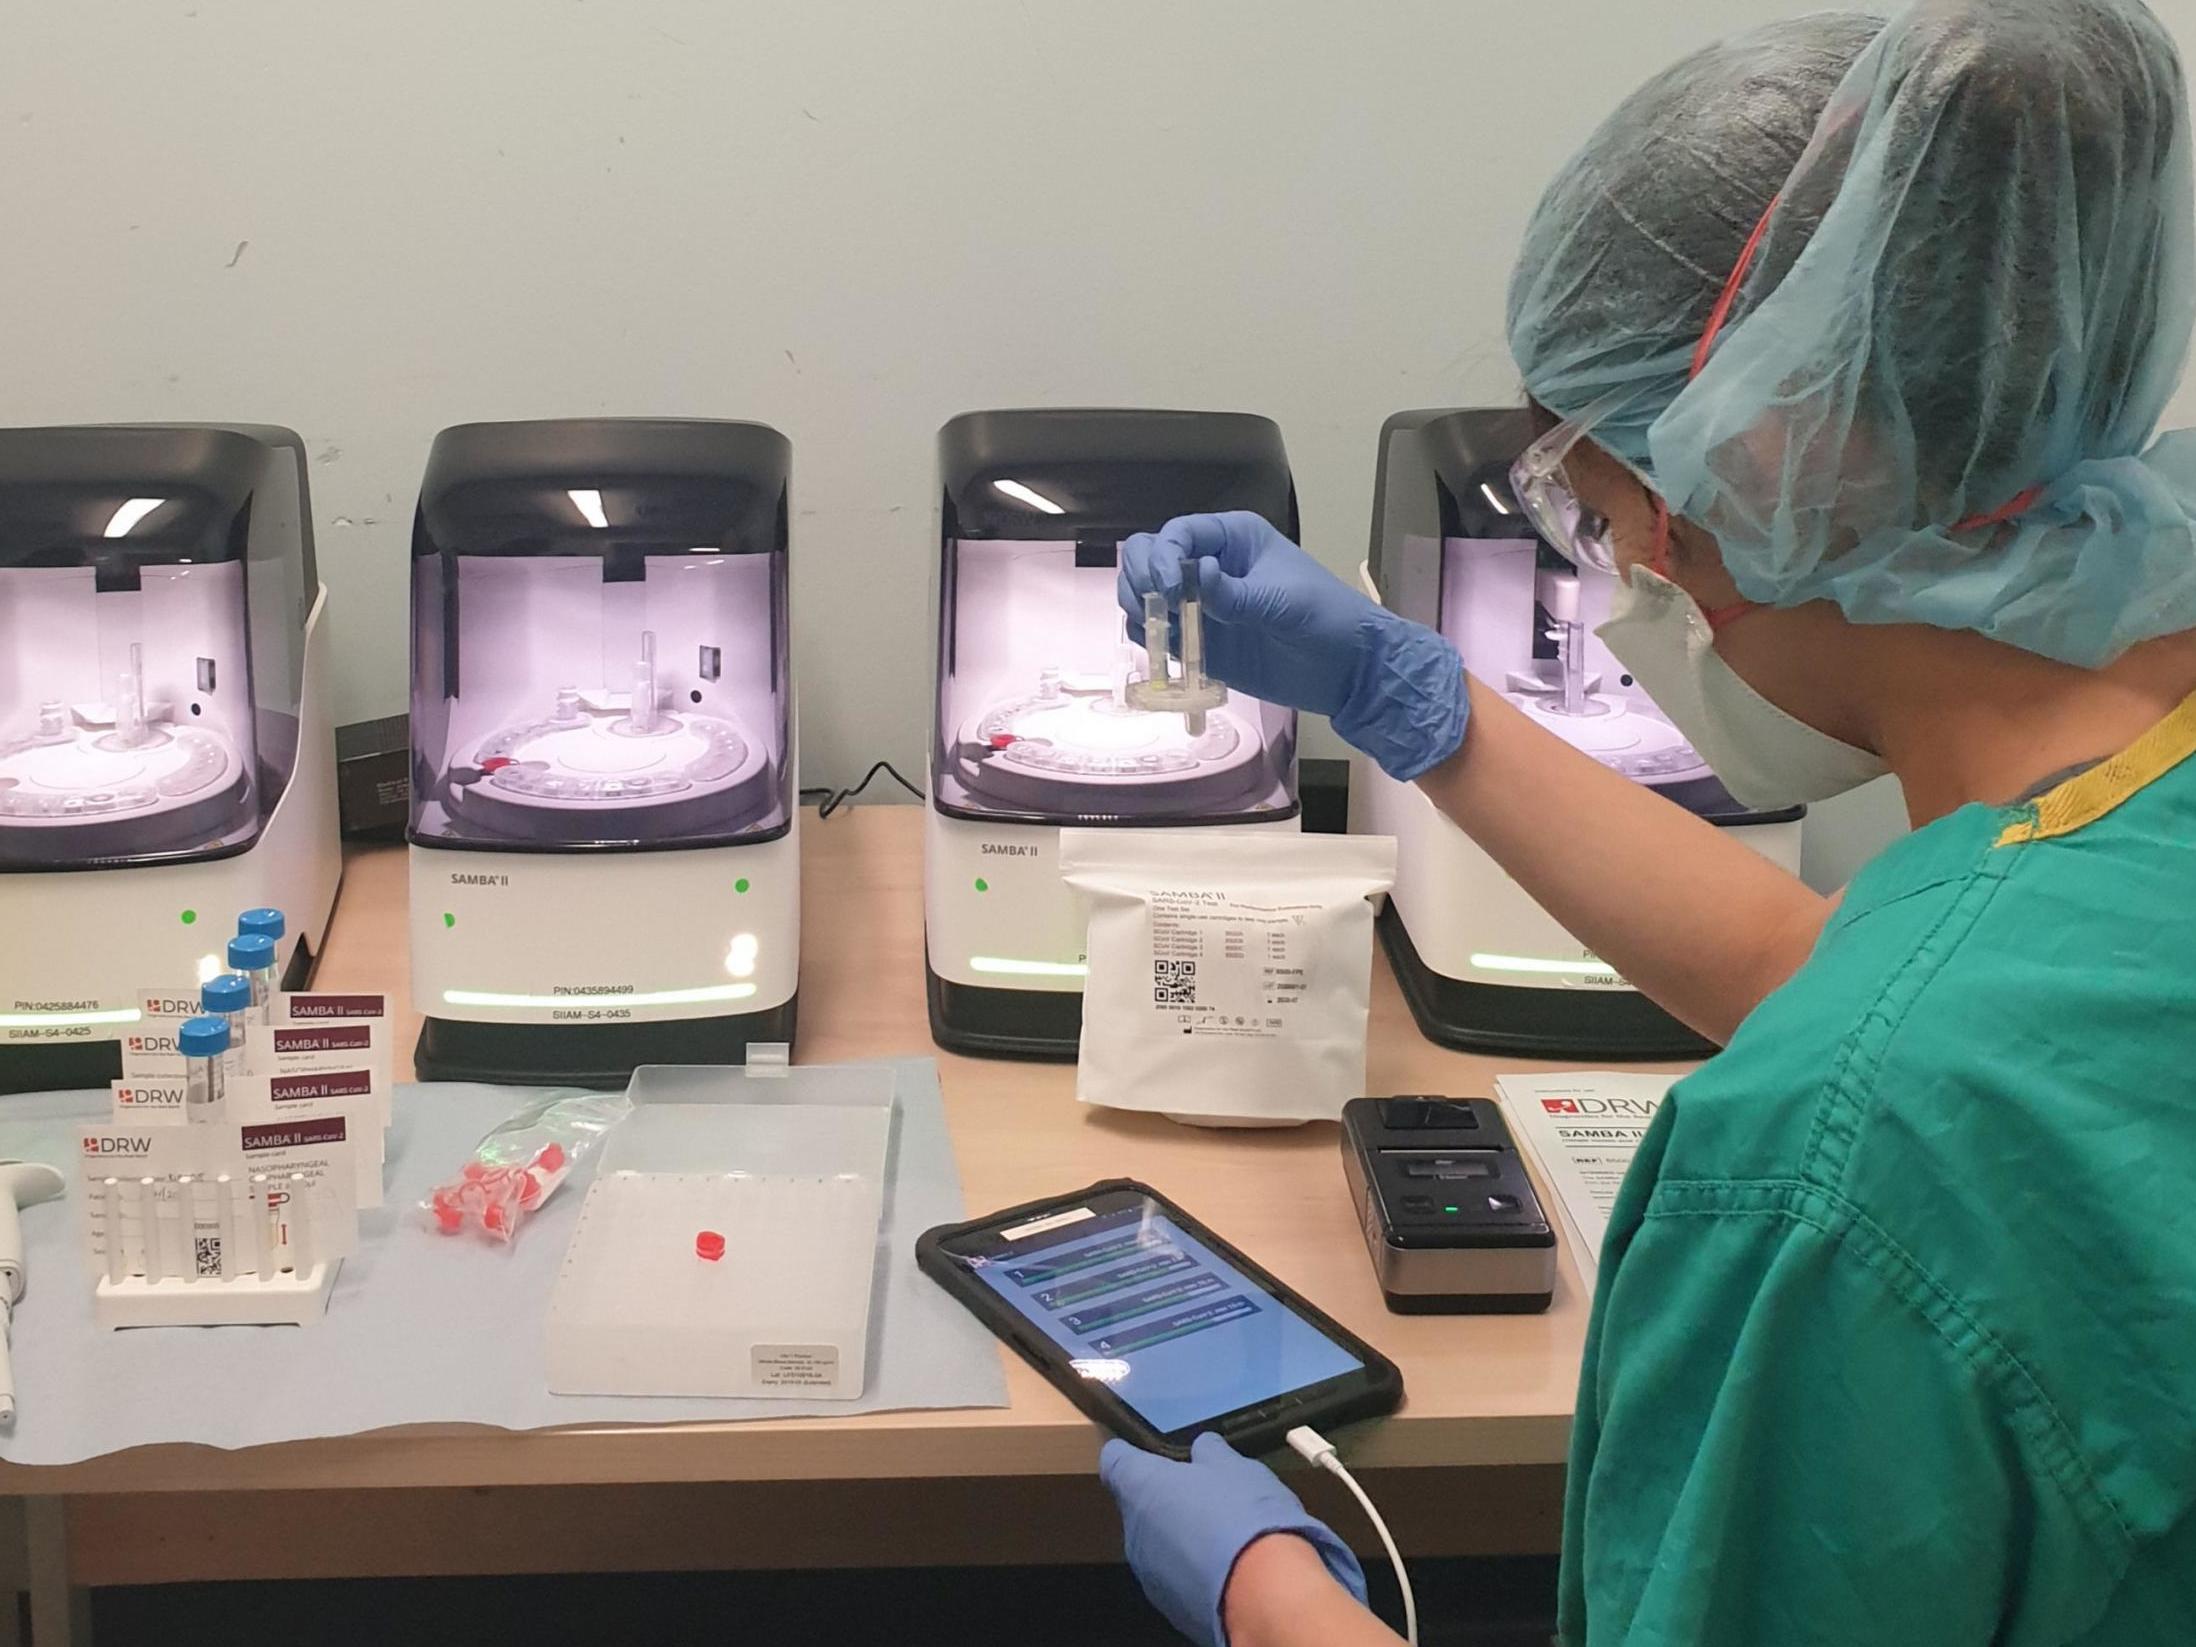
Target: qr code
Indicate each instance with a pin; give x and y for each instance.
(208, 1255)
(1174, 983)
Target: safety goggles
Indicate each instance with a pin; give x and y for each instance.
(1579, 534)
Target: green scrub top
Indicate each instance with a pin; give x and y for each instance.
(1895, 1335)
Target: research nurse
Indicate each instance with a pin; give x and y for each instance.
(1847, 340)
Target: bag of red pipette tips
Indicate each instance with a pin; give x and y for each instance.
(520, 1165)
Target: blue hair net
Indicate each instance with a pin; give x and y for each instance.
(1966, 312)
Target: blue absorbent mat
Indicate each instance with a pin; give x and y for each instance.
(424, 1328)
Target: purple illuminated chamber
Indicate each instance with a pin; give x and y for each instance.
(1034, 710)
(81, 774)
(1082, 738)
(595, 754)
(150, 663)
(1039, 718)
(600, 649)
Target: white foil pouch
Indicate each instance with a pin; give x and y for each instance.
(1230, 971)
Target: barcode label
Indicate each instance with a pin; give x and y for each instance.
(1174, 983)
(208, 1255)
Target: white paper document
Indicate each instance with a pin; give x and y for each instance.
(1582, 1131)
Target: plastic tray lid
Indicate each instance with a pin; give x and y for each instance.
(812, 1120)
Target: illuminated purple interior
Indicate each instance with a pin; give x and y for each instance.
(154, 586)
(635, 696)
(1033, 723)
(599, 643)
(125, 716)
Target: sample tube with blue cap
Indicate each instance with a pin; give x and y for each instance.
(203, 1041)
(229, 997)
(253, 954)
(268, 923)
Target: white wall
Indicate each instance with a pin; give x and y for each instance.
(851, 220)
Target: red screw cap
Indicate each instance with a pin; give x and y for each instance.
(709, 1246)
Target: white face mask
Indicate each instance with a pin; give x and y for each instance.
(1765, 757)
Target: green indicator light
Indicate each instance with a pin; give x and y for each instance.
(982, 885)
(449, 919)
(740, 885)
(190, 917)
(1449, 1209)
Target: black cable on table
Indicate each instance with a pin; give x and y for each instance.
(845, 795)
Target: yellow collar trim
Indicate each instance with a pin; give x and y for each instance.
(2083, 799)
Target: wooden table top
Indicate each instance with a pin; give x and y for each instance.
(1486, 1390)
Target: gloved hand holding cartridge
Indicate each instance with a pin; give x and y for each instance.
(1280, 626)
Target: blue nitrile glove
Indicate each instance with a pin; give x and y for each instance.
(1183, 1525)
(1280, 626)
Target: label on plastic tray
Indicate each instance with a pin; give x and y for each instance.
(795, 1367)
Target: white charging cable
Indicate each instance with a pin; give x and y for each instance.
(1316, 1449)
